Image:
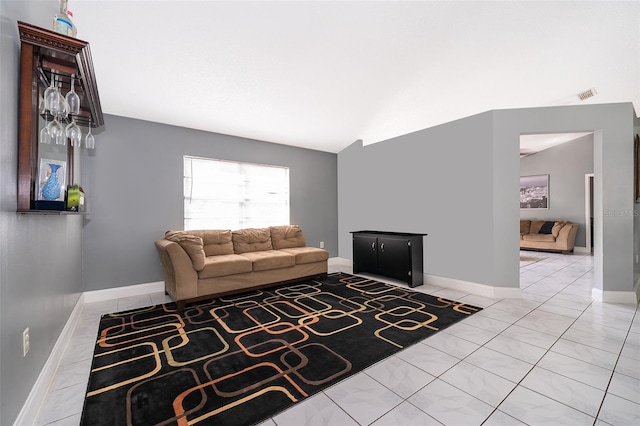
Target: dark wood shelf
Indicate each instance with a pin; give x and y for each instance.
(52, 212)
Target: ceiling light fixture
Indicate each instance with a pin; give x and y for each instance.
(587, 94)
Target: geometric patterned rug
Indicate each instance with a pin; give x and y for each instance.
(244, 358)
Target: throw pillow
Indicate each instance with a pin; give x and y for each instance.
(192, 244)
(546, 228)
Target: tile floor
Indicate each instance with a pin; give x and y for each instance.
(552, 357)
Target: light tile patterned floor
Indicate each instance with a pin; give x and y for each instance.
(552, 357)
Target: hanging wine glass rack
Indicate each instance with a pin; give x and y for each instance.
(44, 53)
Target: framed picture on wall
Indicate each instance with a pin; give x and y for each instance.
(636, 168)
(534, 192)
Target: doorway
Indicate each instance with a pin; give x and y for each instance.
(588, 211)
(547, 154)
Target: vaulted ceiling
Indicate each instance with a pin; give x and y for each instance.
(322, 74)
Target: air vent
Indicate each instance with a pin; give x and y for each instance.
(587, 94)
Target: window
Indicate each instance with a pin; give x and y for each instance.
(229, 195)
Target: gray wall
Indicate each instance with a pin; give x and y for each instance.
(437, 181)
(636, 220)
(459, 183)
(612, 125)
(40, 256)
(133, 183)
(566, 166)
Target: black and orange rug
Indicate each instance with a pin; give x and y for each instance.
(242, 359)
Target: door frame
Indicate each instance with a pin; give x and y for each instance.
(588, 183)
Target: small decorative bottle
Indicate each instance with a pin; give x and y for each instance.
(62, 21)
(74, 29)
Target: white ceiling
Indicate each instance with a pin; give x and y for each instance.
(532, 144)
(321, 74)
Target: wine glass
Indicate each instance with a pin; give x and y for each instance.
(72, 98)
(56, 131)
(73, 132)
(45, 137)
(52, 95)
(63, 106)
(89, 140)
(41, 107)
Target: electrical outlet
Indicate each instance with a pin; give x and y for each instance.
(637, 260)
(25, 341)
(321, 244)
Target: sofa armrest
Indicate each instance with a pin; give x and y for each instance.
(567, 237)
(180, 279)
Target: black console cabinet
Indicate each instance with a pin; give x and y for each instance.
(391, 254)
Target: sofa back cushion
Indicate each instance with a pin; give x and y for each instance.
(190, 243)
(535, 226)
(251, 239)
(287, 236)
(216, 241)
(525, 226)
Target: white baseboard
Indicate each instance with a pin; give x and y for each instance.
(474, 288)
(127, 291)
(625, 297)
(158, 286)
(577, 249)
(31, 408)
(339, 261)
(466, 286)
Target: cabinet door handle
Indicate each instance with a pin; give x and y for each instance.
(382, 247)
(373, 246)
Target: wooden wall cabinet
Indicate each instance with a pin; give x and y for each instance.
(43, 52)
(391, 254)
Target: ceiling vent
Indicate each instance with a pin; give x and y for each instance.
(587, 94)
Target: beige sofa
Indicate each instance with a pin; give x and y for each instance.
(203, 264)
(555, 236)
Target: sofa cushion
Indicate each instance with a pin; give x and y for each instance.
(525, 226)
(251, 239)
(287, 236)
(223, 265)
(270, 259)
(215, 241)
(535, 226)
(556, 229)
(192, 244)
(307, 254)
(539, 237)
(546, 227)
